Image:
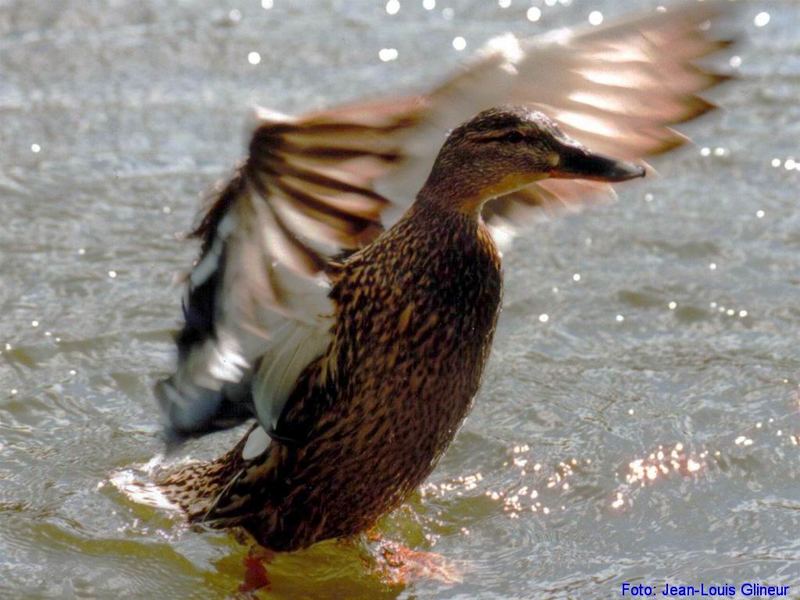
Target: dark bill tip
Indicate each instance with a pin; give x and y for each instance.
(577, 163)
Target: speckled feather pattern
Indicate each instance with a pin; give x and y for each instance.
(408, 323)
(416, 312)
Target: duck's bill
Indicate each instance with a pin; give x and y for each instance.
(579, 163)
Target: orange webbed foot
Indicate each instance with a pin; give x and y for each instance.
(255, 570)
(401, 565)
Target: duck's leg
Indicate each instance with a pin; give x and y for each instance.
(255, 569)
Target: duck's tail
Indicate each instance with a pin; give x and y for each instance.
(195, 487)
(192, 488)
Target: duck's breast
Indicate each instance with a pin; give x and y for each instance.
(417, 314)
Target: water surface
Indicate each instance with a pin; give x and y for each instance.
(645, 430)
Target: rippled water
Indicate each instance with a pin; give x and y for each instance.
(646, 430)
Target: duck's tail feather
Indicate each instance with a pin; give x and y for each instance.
(191, 487)
(194, 487)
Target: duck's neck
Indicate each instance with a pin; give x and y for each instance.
(462, 188)
(455, 200)
(443, 224)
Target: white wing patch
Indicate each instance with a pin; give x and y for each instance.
(256, 444)
(265, 310)
(294, 347)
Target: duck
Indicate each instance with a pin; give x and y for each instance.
(350, 278)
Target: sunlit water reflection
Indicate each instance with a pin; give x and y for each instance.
(640, 418)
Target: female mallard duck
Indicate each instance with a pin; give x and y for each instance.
(358, 344)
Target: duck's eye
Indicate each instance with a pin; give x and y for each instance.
(514, 137)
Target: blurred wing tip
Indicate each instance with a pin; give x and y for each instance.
(697, 106)
(506, 45)
(720, 78)
(263, 115)
(675, 140)
(725, 43)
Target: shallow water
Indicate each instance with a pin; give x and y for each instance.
(647, 430)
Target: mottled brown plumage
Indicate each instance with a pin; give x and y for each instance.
(415, 313)
(360, 350)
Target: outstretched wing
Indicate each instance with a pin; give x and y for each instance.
(618, 89)
(322, 185)
(258, 297)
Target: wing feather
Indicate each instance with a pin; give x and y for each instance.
(319, 186)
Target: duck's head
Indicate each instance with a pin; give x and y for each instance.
(503, 149)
